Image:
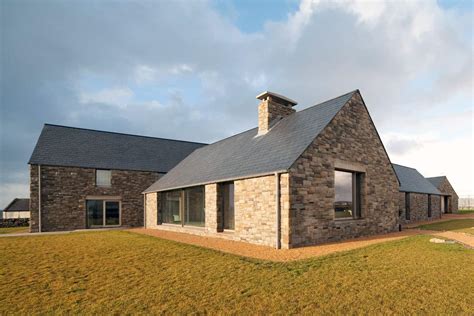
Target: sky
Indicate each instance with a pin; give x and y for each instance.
(191, 70)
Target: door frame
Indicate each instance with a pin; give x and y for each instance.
(104, 201)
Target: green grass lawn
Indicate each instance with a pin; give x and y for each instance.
(458, 225)
(466, 211)
(11, 230)
(119, 272)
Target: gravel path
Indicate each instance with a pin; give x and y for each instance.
(268, 253)
(462, 238)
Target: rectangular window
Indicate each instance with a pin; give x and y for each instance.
(102, 213)
(103, 178)
(347, 186)
(183, 207)
(194, 206)
(228, 214)
(407, 206)
(171, 207)
(429, 205)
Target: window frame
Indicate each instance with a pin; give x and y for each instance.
(182, 200)
(96, 178)
(356, 190)
(104, 201)
(223, 190)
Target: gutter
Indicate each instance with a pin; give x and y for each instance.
(39, 198)
(277, 211)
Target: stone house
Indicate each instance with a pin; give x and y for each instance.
(449, 197)
(300, 178)
(17, 209)
(419, 200)
(81, 178)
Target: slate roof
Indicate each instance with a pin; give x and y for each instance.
(18, 205)
(413, 181)
(436, 181)
(247, 154)
(78, 147)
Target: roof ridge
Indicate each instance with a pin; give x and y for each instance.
(125, 134)
(342, 95)
(312, 106)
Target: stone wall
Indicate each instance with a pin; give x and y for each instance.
(151, 205)
(419, 207)
(64, 192)
(254, 207)
(446, 189)
(350, 142)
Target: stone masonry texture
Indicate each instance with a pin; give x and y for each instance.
(351, 139)
(268, 112)
(255, 211)
(419, 207)
(64, 191)
(446, 189)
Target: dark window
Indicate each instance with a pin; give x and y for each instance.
(347, 186)
(183, 207)
(429, 205)
(194, 206)
(407, 206)
(95, 213)
(102, 213)
(228, 216)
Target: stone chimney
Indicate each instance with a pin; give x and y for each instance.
(273, 108)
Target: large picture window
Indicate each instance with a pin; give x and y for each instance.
(347, 186)
(171, 207)
(194, 206)
(183, 207)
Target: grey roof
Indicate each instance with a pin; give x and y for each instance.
(78, 147)
(413, 181)
(18, 205)
(436, 181)
(247, 154)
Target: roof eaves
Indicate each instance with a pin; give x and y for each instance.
(216, 181)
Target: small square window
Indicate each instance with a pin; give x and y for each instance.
(103, 178)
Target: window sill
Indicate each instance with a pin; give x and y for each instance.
(348, 219)
(185, 226)
(228, 231)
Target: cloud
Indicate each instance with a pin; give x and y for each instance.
(142, 70)
(119, 97)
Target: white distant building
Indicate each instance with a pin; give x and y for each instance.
(18, 208)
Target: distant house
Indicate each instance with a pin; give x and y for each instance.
(449, 197)
(82, 178)
(17, 209)
(419, 199)
(300, 178)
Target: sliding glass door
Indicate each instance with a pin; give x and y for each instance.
(102, 213)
